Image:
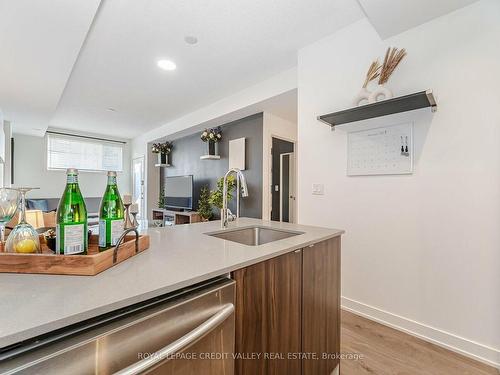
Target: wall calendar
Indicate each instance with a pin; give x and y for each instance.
(380, 151)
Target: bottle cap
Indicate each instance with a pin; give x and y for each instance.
(112, 173)
(71, 171)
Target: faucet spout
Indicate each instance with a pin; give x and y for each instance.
(240, 179)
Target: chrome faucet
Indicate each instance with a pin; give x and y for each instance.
(225, 217)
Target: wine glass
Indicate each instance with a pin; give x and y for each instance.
(23, 238)
(9, 202)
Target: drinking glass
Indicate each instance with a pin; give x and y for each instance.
(9, 202)
(23, 238)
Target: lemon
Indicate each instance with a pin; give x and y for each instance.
(26, 246)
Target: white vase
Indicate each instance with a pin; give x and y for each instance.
(362, 98)
(380, 93)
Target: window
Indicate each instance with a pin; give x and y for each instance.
(84, 154)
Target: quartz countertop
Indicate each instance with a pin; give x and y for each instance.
(178, 257)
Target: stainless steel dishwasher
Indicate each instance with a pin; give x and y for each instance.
(189, 332)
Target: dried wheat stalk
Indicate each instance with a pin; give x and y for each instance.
(373, 72)
(393, 57)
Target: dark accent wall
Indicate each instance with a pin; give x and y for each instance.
(185, 160)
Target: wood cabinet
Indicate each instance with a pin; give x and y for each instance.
(286, 306)
(167, 217)
(321, 306)
(268, 311)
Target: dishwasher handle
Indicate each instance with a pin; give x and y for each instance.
(189, 338)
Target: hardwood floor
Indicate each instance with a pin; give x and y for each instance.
(387, 351)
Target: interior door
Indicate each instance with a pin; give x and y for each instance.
(287, 184)
(280, 178)
(138, 184)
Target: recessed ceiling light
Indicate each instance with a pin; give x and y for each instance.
(166, 65)
(189, 39)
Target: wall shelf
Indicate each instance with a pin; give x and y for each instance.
(405, 103)
(210, 157)
(162, 165)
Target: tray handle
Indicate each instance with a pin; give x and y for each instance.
(122, 238)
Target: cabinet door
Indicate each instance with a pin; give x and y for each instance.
(321, 306)
(268, 310)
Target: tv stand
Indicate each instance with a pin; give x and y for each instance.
(175, 209)
(170, 217)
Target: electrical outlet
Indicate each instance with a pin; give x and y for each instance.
(318, 189)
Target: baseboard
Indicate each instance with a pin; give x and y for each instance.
(471, 349)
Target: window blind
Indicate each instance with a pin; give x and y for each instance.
(84, 154)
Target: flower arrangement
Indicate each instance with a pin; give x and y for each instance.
(213, 134)
(162, 148)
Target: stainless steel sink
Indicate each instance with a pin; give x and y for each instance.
(255, 235)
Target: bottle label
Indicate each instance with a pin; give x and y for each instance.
(72, 179)
(116, 230)
(102, 233)
(74, 238)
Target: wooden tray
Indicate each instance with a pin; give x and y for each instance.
(83, 265)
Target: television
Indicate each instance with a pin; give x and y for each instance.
(179, 192)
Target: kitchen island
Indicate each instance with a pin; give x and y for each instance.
(178, 257)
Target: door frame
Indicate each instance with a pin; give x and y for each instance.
(270, 174)
(142, 208)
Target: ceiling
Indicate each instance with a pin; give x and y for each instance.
(40, 41)
(284, 106)
(239, 43)
(90, 65)
(390, 17)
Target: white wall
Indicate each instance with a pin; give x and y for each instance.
(421, 252)
(273, 126)
(30, 169)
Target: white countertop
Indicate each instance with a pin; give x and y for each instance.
(178, 257)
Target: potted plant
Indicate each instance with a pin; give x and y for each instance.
(212, 136)
(204, 206)
(163, 150)
(216, 195)
(161, 199)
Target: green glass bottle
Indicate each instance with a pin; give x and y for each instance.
(71, 231)
(111, 215)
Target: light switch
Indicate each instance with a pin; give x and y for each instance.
(318, 189)
(276, 188)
